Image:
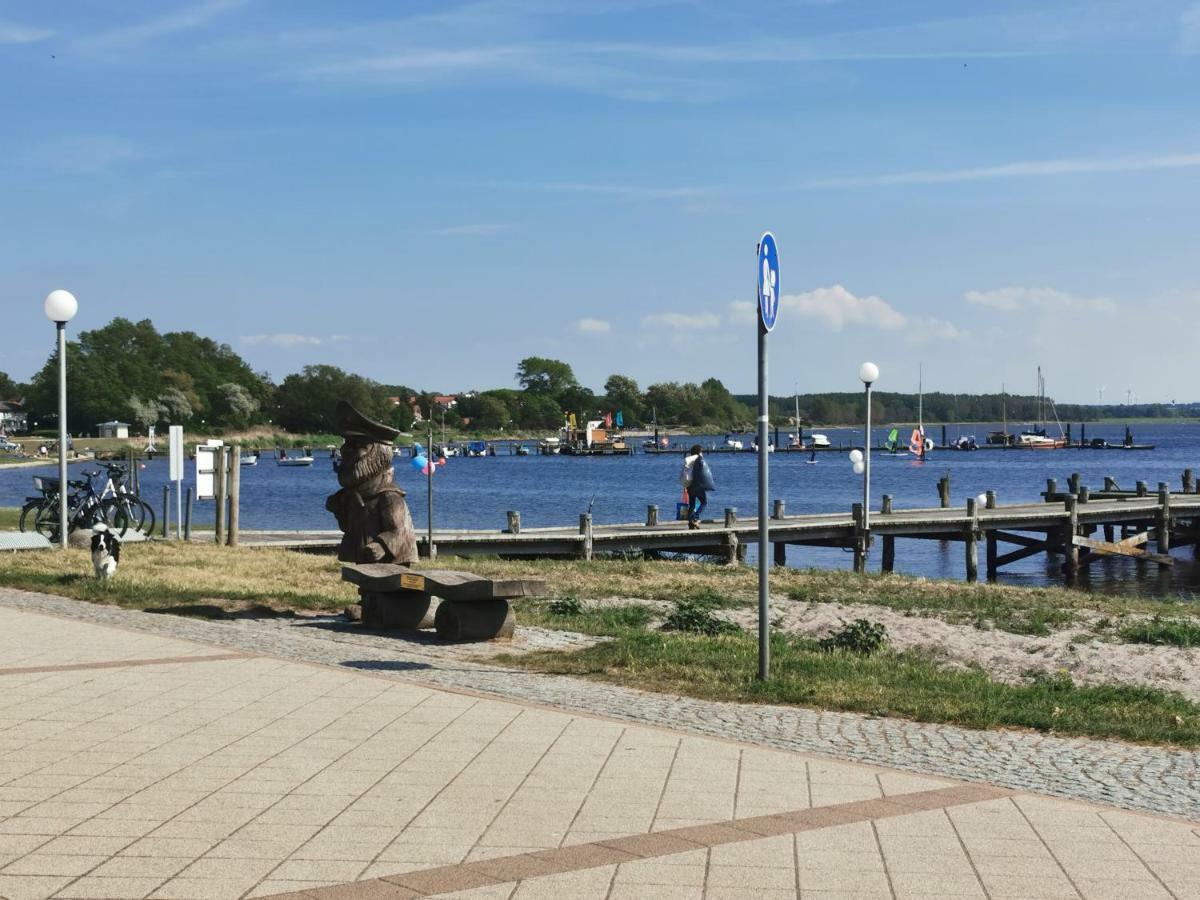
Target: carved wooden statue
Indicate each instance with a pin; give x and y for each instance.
(370, 509)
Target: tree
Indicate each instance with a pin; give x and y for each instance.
(623, 394)
(9, 389)
(236, 405)
(539, 375)
(306, 401)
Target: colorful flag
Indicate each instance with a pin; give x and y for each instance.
(620, 420)
(608, 420)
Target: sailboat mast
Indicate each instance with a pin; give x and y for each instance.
(921, 407)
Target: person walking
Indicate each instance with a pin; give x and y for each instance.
(698, 480)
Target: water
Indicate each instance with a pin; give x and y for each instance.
(554, 490)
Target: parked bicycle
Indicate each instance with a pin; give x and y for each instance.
(123, 508)
(120, 509)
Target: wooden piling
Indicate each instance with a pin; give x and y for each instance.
(1110, 483)
(944, 491)
(780, 553)
(187, 515)
(651, 515)
(971, 539)
(1085, 493)
(777, 511)
(733, 553)
(730, 516)
(1073, 483)
(1142, 491)
(219, 494)
(889, 553)
(1051, 489)
(235, 493)
(1163, 518)
(166, 510)
(885, 507)
(514, 521)
(1189, 482)
(1069, 530)
(990, 500)
(992, 550)
(585, 529)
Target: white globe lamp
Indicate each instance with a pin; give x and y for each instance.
(60, 306)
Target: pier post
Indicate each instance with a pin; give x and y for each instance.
(1141, 489)
(166, 507)
(993, 570)
(885, 506)
(944, 491)
(1189, 482)
(733, 553)
(777, 510)
(235, 494)
(860, 538)
(1163, 524)
(187, 515)
(1051, 489)
(972, 540)
(889, 553)
(651, 515)
(780, 553)
(1083, 434)
(1108, 534)
(1070, 551)
(1073, 483)
(514, 521)
(990, 502)
(219, 493)
(1085, 493)
(585, 529)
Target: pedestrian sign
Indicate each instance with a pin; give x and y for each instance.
(768, 281)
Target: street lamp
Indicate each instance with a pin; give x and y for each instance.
(868, 374)
(60, 307)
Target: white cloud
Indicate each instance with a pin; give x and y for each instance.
(1013, 299)
(837, 308)
(1189, 38)
(931, 328)
(12, 33)
(284, 339)
(1024, 169)
(593, 326)
(682, 321)
(180, 20)
(472, 230)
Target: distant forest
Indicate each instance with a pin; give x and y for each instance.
(132, 372)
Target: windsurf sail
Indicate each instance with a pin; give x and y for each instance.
(917, 443)
(892, 444)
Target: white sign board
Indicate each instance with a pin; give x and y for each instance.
(175, 433)
(205, 467)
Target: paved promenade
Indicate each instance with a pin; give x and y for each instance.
(152, 756)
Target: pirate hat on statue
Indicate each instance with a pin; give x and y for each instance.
(353, 424)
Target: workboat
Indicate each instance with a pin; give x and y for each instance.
(305, 459)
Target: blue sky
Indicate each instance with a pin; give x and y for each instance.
(427, 192)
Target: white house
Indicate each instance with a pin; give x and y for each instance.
(12, 418)
(113, 429)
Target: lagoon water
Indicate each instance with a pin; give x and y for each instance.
(553, 490)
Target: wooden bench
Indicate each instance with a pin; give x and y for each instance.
(472, 608)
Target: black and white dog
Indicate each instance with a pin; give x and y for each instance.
(106, 551)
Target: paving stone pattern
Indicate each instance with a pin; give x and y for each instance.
(1149, 778)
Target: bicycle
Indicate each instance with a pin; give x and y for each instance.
(122, 507)
(84, 508)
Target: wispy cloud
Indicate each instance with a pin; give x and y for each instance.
(593, 326)
(88, 154)
(473, 230)
(13, 33)
(1026, 169)
(837, 308)
(285, 340)
(682, 321)
(649, 192)
(183, 19)
(1017, 299)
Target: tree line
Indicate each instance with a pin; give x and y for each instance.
(131, 372)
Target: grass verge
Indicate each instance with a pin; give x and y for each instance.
(1160, 630)
(10, 516)
(908, 685)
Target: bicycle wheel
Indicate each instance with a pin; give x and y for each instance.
(46, 523)
(120, 514)
(146, 525)
(29, 514)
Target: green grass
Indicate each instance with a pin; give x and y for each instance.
(908, 685)
(1159, 630)
(9, 517)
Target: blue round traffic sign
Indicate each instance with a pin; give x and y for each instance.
(768, 281)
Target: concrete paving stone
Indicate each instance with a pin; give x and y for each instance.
(332, 870)
(102, 888)
(30, 825)
(927, 824)
(31, 887)
(863, 882)
(225, 867)
(86, 845)
(319, 848)
(872, 894)
(653, 872)
(1168, 853)
(748, 893)
(1027, 886)
(913, 885)
(655, 892)
(840, 860)
(142, 867)
(751, 877)
(207, 888)
(20, 844)
(1108, 889)
(273, 887)
(854, 838)
(1007, 847)
(53, 864)
(771, 852)
(1024, 866)
(588, 884)
(116, 827)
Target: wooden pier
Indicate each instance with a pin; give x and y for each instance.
(1078, 524)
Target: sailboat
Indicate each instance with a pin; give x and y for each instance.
(918, 444)
(1036, 438)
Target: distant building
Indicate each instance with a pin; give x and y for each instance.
(13, 419)
(113, 429)
(446, 401)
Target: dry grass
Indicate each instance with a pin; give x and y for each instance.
(9, 517)
(162, 575)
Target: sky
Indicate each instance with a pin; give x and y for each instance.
(425, 193)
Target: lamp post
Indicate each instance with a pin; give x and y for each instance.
(868, 373)
(60, 307)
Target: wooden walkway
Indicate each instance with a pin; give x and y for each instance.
(1081, 526)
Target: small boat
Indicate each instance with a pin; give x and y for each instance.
(1039, 440)
(249, 459)
(284, 460)
(477, 449)
(820, 440)
(521, 450)
(551, 446)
